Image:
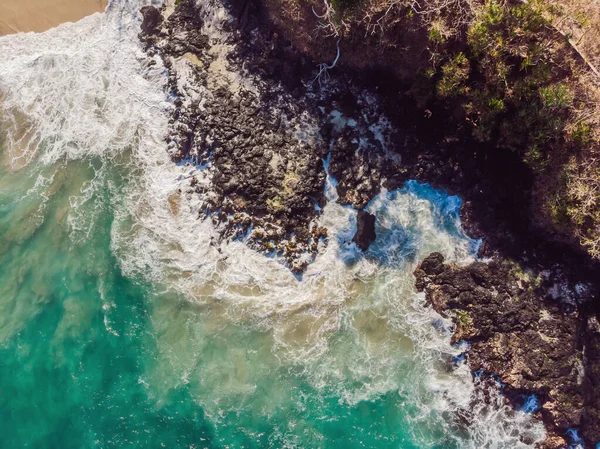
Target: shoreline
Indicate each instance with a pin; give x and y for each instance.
(38, 15)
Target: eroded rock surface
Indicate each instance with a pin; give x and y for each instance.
(262, 136)
(262, 148)
(534, 345)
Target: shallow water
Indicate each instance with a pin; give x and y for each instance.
(122, 323)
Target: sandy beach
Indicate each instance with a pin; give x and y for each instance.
(41, 15)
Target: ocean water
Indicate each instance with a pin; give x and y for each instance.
(123, 324)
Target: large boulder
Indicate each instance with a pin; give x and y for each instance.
(152, 20)
(365, 230)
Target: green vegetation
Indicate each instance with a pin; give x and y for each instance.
(527, 278)
(455, 74)
(523, 83)
(582, 134)
(464, 322)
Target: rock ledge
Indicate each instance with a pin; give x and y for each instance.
(535, 346)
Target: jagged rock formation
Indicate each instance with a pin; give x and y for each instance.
(264, 139)
(535, 346)
(265, 158)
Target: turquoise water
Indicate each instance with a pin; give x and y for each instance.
(81, 352)
(123, 325)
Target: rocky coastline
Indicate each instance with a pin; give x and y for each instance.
(536, 346)
(255, 112)
(272, 124)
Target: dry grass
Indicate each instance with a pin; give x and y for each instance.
(579, 21)
(583, 169)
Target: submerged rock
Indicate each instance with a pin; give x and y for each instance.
(535, 346)
(365, 230)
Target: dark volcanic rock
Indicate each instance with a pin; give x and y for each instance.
(590, 421)
(259, 144)
(365, 230)
(357, 167)
(152, 20)
(535, 346)
(262, 138)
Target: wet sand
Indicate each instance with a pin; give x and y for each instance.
(41, 15)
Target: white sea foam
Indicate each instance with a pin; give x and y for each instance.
(87, 87)
(353, 325)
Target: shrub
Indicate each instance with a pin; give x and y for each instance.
(582, 134)
(455, 74)
(556, 96)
